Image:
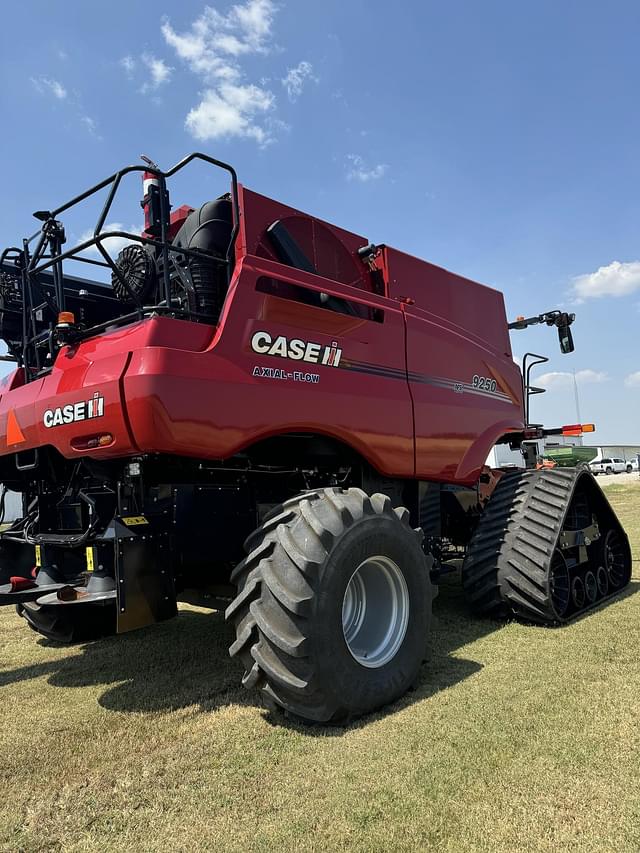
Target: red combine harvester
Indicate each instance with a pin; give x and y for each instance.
(253, 374)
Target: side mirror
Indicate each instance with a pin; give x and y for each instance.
(566, 338)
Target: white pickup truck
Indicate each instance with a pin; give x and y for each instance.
(609, 465)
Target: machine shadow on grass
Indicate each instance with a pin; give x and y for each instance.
(184, 662)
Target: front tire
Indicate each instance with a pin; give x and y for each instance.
(334, 605)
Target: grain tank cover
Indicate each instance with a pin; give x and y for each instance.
(474, 307)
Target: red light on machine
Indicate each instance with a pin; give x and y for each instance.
(578, 429)
(104, 439)
(532, 433)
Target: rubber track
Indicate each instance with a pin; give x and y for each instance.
(507, 563)
(276, 584)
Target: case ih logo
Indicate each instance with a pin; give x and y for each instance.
(82, 411)
(296, 349)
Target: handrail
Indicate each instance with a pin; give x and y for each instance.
(527, 388)
(116, 178)
(34, 259)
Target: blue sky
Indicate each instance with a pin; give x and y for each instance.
(497, 139)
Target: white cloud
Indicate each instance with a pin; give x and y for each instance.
(563, 379)
(359, 171)
(129, 65)
(113, 245)
(633, 380)
(295, 79)
(215, 41)
(156, 70)
(46, 85)
(212, 49)
(73, 107)
(90, 124)
(230, 110)
(159, 70)
(254, 19)
(616, 279)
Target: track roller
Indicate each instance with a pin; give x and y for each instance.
(577, 593)
(602, 579)
(591, 586)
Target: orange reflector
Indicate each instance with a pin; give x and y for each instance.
(105, 439)
(66, 318)
(578, 429)
(14, 433)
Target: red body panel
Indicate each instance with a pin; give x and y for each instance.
(400, 391)
(473, 309)
(456, 329)
(442, 363)
(211, 404)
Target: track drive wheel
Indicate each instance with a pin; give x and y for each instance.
(613, 557)
(334, 605)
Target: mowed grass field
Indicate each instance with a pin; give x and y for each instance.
(517, 739)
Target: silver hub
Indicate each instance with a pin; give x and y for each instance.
(375, 611)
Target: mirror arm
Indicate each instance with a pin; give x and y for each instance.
(561, 319)
(551, 318)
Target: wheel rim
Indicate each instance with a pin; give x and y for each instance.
(577, 592)
(603, 580)
(559, 586)
(591, 586)
(375, 611)
(614, 562)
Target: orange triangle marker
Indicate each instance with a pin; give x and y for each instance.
(14, 433)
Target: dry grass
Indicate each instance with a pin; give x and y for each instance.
(517, 738)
